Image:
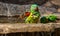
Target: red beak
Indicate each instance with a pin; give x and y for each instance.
(27, 14)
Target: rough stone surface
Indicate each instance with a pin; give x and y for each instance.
(56, 2)
(22, 27)
(13, 9)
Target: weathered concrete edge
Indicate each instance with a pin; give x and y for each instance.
(18, 27)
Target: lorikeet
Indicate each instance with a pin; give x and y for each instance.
(34, 14)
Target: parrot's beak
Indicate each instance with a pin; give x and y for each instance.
(27, 13)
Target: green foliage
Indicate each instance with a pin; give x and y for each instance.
(43, 19)
(52, 18)
(49, 18)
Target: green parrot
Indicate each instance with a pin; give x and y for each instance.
(34, 14)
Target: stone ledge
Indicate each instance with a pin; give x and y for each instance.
(12, 28)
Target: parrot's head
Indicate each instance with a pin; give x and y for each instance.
(34, 7)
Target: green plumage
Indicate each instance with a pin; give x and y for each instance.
(34, 15)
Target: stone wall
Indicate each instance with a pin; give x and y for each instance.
(15, 9)
(12, 9)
